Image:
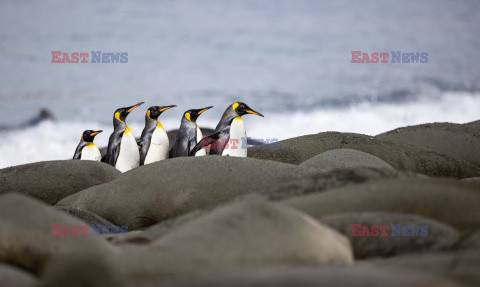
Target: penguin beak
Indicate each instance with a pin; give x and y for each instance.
(250, 111)
(96, 133)
(204, 109)
(130, 109)
(167, 107)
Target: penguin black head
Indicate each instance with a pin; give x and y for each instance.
(154, 111)
(122, 113)
(192, 115)
(89, 135)
(243, 109)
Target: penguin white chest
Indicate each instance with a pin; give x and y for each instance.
(91, 152)
(201, 152)
(158, 149)
(238, 136)
(129, 156)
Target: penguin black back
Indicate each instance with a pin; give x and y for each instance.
(187, 136)
(223, 131)
(151, 124)
(119, 127)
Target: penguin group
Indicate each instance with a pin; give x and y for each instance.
(124, 152)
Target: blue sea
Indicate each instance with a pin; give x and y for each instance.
(288, 59)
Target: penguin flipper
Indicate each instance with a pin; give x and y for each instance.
(113, 149)
(78, 150)
(78, 154)
(206, 141)
(216, 135)
(114, 156)
(140, 143)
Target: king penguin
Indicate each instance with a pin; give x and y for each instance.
(230, 137)
(122, 151)
(86, 149)
(189, 134)
(153, 143)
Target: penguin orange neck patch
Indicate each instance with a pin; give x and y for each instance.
(159, 125)
(238, 119)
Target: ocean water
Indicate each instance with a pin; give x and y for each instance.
(290, 60)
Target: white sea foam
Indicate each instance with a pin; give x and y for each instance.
(368, 118)
(58, 140)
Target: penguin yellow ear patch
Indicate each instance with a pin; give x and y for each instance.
(148, 114)
(117, 116)
(234, 106)
(187, 116)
